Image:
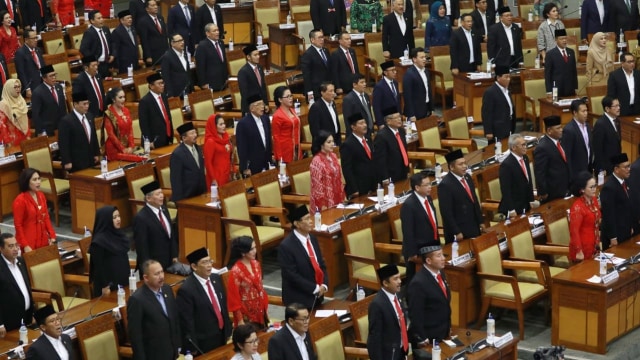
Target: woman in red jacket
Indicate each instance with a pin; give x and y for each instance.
(285, 127)
(217, 150)
(30, 213)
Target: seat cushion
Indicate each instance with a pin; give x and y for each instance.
(329, 347)
(66, 302)
(368, 273)
(504, 290)
(266, 234)
(62, 186)
(102, 346)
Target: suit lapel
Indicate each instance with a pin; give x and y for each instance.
(152, 299)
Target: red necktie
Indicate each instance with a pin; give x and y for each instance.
(158, 25)
(166, 117)
(441, 283)
(524, 168)
(35, 58)
(105, 48)
(626, 189)
(217, 46)
(466, 187)
(41, 10)
(403, 325)
(255, 70)
(346, 53)
(10, 8)
(86, 128)
(561, 150)
(314, 263)
(405, 159)
(564, 56)
(164, 225)
(98, 93)
(216, 307)
(53, 93)
(366, 147)
(432, 219)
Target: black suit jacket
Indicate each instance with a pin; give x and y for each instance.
(187, 177)
(606, 143)
(73, 143)
(575, 149)
(153, 334)
(14, 6)
(30, 12)
(552, 171)
(358, 170)
(388, 156)
(634, 178)
(459, 213)
(392, 39)
(152, 123)
(352, 104)
(92, 44)
(384, 98)
(198, 320)
(497, 40)
(478, 25)
(283, 346)
(177, 79)
(327, 17)
(619, 213)
(385, 340)
(211, 70)
(124, 50)
(28, 71)
(320, 119)
(154, 43)
(152, 241)
(429, 308)
(46, 113)
(417, 231)
(590, 20)
(314, 70)
(415, 94)
(496, 117)
(202, 18)
(249, 85)
(12, 310)
(342, 75)
(618, 88)
(459, 51)
(491, 9)
(564, 74)
(252, 152)
(622, 18)
(177, 24)
(298, 276)
(516, 188)
(84, 83)
(43, 350)
(137, 9)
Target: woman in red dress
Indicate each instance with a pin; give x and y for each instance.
(30, 213)
(246, 297)
(217, 151)
(327, 189)
(285, 127)
(8, 37)
(117, 124)
(14, 122)
(64, 12)
(584, 219)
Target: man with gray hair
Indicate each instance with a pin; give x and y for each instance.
(211, 61)
(515, 178)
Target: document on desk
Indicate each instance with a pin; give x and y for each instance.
(595, 279)
(327, 313)
(350, 206)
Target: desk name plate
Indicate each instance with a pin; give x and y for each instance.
(610, 277)
(7, 159)
(119, 172)
(461, 259)
(499, 342)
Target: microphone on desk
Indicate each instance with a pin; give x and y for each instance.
(58, 48)
(153, 66)
(194, 344)
(91, 316)
(493, 59)
(75, 295)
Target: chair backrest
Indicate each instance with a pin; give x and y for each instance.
(201, 104)
(533, 87)
(358, 239)
(595, 95)
(631, 37)
(97, 338)
(234, 203)
(267, 188)
(141, 84)
(266, 12)
(327, 338)
(300, 176)
(175, 109)
(303, 27)
(235, 60)
(298, 6)
(60, 64)
(359, 311)
(418, 35)
(163, 171)
(573, 27)
(37, 154)
(529, 29)
(135, 121)
(488, 256)
(45, 269)
(441, 60)
(395, 222)
(529, 59)
(457, 125)
(520, 240)
(75, 34)
(84, 245)
(112, 24)
(556, 226)
(373, 47)
(236, 97)
(429, 132)
(53, 42)
(274, 80)
(491, 181)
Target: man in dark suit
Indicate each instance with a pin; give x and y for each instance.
(77, 137)
(560, 67)
(619, 213)
(390, 148)
(606, 135)
(251, 78)
(179, 22)
(429, 308)
(618, 86)
(204, 16)
(152, 231)
(253, 138)
(516, 184)
(137, 9)
(388, 337)
(551, 166)
(153, 34)
(155, 117)
(211, 60)
(482, 20)
(459, 204)
(283, 344)
(634, 177)
(452, 10)
(385, 93)
(624, 16)
(358, 102)
(356, 155)
(498, 108)
(96, 41)
(576, 140)
(344, 64)
(462, 40)
(4, 76)
(48, 105)
(502, 49)
(397, 32)
(52, 344)
(492, 9)
(27, 67)
(304, 274)
(187, 165)
(323, 115)
(89, 82)
(315, 64)
(417, 88)
(204, 318)
(330, 16)
(152, 312)
(175, 68)
(125, 43)
(419, 222)
(16, 302)
(594, 20)
(34, 13)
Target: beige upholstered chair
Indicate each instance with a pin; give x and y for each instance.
(556, 225)
(98, 339)
(274, 80)
(60, 64)
(137, 177)
(235, 61)
(529, 51)
(201, 104)
(533, 88)
(265, 12)
(84, 245)
(141, 84)
(359, 311)
(396, 224)
(328, 343)
(177, 118)
(300, 178)
(595, 95)
(457, 125)
(442, 76)
(269, 194)
(75, 34)
(373, 55)
(430, 140)
(135, 122)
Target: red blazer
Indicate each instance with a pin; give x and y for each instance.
(33, 225)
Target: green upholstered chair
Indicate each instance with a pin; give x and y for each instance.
(457, 125)
(266, 12)
(98, 339)
(269, 194)
(328, 343)
(300, 178)
(556, 226)
(533, 88)
(201, 104)
(442, 76)
(359, 311)
(373, 56)
(595, 95)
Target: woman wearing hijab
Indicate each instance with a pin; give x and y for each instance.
(109, 265)
(599, 60)
(14, 123)
(217, 151)
(438, 31)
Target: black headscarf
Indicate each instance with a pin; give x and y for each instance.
(106, 235)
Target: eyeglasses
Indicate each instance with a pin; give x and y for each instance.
(254, 341)
(287, 97)
(180, 40)
(304, 320)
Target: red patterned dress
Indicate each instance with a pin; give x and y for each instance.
(285, 130)
(119, 131)
(326, 181)
(246, 297)
(584, 227)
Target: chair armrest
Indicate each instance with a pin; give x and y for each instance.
(433, 150)
(396, 241)
(356, 352)
(490, 205)
(438, 74)
(125, 351)
(422, 155)
(47, 297)
(305, 146)
(136, 202)
(76, 279)
(497, 277)
(133, 264)
(365, 260)
(360, 343)
(551, 249)
(267, 211)
(257, 26)
(240, 222)
(476, 132)
(457, 142)
(231, 114)
(57, 165)
(275, 300)
(295, 199)
(388, 248)
(540, 267)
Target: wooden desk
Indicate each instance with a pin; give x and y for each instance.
(464, 286)
(468, 93)
(238, 24)
(630, 134)
(201, 225)
(548, 108)
(284, 47)
(507, 351)
(588, 316)
(9, 188)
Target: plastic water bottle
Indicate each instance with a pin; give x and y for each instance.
(147, 146)
(121, 301)
(454, 248)
(259, 39)
(24, 334)
(360, 293)
(104, 168)
(130, 71)
(391, 189)
(601, 177)
(317, 219)
(435, 351)
(133, 283)
(380, 194)
(230, 44)
(1, 149)
(530, 15)
(491, 329)
(498, 149)
(603, 264)
(87, 233)
(438, 172)
(76, 21)
(621, 36)
(311, 98)
(537, 62)
(185, 101)
(488, 67)
(554, 92)
(374, 27)
(289, 18)
(214, 190)
(112, 12)
(188, 356)
(282, 168)
(296, 106)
